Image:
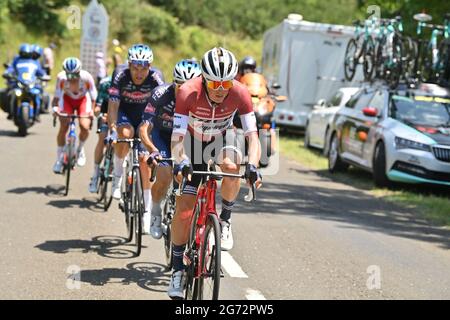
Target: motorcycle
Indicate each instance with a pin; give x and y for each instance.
(264, 103)
(25, 99)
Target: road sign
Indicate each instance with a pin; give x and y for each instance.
(94, 36)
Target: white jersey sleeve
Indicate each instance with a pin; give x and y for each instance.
(87, 77)
(180, 124)
(249, 123)
(59, 90)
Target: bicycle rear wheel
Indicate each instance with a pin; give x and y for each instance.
(368, 59)
(191, 282)
(444, 63)
(351, 60)
(107, 182)
(209, 280)
(137, 208)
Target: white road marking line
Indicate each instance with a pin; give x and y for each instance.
(231, 266)
(254, 295)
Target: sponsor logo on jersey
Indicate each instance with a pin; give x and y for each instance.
(149, 108)
(136, 95)
(209, 126)
(114, 91)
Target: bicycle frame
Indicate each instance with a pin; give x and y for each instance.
(206, 198)
(71, 140)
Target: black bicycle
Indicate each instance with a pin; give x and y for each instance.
(104, 187)
(132, 195)
(69, 153)
(167, 213)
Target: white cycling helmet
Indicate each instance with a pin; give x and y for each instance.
(72, 65)
(186, 70)
(219, 64)
(140, 53)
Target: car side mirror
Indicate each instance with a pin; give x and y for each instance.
(276, 86)
(322, 103)
(370, 112)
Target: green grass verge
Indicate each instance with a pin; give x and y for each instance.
(431, 203)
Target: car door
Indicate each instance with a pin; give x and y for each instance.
(351, 142)
(371, 125)
(314, 123)
(325, 116)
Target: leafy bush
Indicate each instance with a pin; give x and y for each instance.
(157, 26)
(37, 15)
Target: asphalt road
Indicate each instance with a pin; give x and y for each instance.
(307, 237)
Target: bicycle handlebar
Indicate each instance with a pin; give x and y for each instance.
(128, 140)
(71, 116)
(251, 196)
(153, 176)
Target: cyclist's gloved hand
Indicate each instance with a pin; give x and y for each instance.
(184, 168)
(112, 137)
(155, 155)
(252, 174)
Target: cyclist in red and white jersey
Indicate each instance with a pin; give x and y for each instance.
(205, 108)
(75, 91)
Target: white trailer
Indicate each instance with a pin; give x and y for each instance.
(307, 60)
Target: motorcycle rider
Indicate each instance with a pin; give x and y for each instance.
(22, 64)
(247, 65)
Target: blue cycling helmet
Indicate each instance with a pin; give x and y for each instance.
(185, 70)
(140, 53)
(25, 50)
(72, 65)
(37, 51)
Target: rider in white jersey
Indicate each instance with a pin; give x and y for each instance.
(75, 91)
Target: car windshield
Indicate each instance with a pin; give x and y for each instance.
(421, 110)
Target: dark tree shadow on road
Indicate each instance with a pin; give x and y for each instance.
(86, 203)
(149, 276)
(113, 247)
(50, 190)
(352, 207)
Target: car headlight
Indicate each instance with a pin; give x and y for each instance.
(401, 143)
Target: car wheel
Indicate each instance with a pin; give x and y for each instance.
(379, 166)
(335, 164)
(306, 141)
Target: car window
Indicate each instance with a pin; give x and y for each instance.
(377, 101)
(352, 101)
(363, 101)
(336, 100)
(421, 110)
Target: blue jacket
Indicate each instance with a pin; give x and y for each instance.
(20, 66)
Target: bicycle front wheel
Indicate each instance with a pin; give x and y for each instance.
(209, 280)
(68, 164)
(351, 60)
(168, 213)
(137, 208)
(107, 184)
